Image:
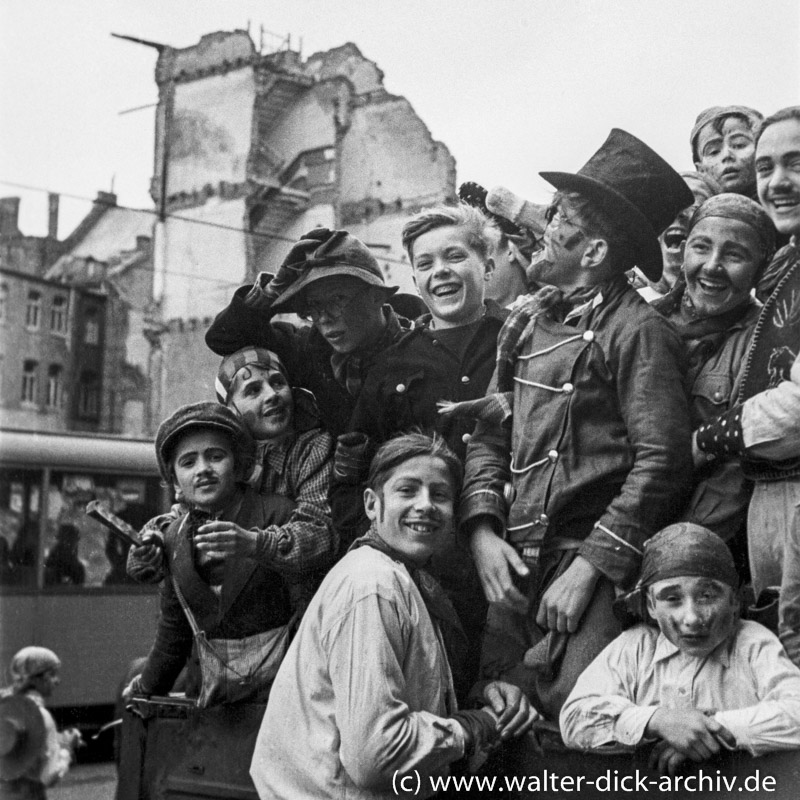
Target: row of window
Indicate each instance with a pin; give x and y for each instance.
(58, 314)
(55, 394)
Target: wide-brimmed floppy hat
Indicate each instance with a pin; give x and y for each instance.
(323, 253)
(636, 188)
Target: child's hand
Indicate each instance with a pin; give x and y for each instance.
(690, 732)
(515, 715)
(225, 540)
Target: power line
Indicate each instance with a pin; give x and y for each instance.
(152, 212)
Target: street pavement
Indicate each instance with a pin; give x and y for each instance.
(87, 782)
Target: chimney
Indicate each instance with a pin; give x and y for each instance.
(52, 215)
(105, 198)
(9, 216)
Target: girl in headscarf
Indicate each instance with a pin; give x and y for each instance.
(729, 243)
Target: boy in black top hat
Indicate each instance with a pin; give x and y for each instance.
(599, 435)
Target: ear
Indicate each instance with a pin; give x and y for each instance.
(650, 604)
(594, 253)
(488, 268)
(371, 504)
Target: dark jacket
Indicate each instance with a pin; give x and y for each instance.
(254, 599)
(303, 350)
(721, 493)
(402, 389)
(599, 440)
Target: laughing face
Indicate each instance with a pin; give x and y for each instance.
(450, 276)
(778, 174)
(695, 614)
(414, 509)
(721, 262)
(263, 399)
(728, 155)
(203, 466)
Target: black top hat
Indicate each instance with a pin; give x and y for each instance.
(22, 735)
(636, 188)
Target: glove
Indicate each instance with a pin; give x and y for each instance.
(352, 458)
(267, 288)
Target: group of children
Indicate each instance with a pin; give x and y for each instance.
(552, 475)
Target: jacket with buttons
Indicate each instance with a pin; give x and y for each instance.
(721, 493)
(599, 439)
(402, 389)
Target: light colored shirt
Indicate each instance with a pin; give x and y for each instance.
(56, 757)
(747, 683)
(363, 692)
(771, 420)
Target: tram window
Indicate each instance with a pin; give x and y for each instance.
(20, 504)
(79, 551)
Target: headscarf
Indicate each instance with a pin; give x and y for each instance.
(29, 663)
(743, 209)
(246, 357)
(687, 550)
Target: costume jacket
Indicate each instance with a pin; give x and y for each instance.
(402, 389)
(303, 350)
(253, 598)
(721, 492)
(599, 439)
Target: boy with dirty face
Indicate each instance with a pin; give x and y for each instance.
(700, 681)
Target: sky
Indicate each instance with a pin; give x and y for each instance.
(511, 87)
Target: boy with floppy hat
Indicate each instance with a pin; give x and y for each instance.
(702, 679)
(597, 428)
(331, 279)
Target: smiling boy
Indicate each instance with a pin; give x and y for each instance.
(365, 696)
(449, 355)
(702, 680)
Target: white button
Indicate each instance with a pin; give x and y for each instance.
(465, 379)
(568, 388)
(466, 437)
(553, 456)
(588, 336)
(400, 388)
(543, 520)
(718, 395)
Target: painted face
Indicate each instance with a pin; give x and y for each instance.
(203, 466)
(263, 399)
(728, 156)
(672, 241)
(695, 614)
(560, 260)
(721, 261)
(46, 682)
(778, 174)
(345, 310)
(414, 510)
(450, 276)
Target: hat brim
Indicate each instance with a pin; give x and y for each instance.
(288, 300)
(25, 714)
(636, 225)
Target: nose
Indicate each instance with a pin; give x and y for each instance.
(268, 393)
(441, 267)
(727, 152)
(424, 501)
(691, 616)
(203, 465)
(714, 261)
(779, 177)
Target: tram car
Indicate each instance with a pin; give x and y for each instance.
(62, 574)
